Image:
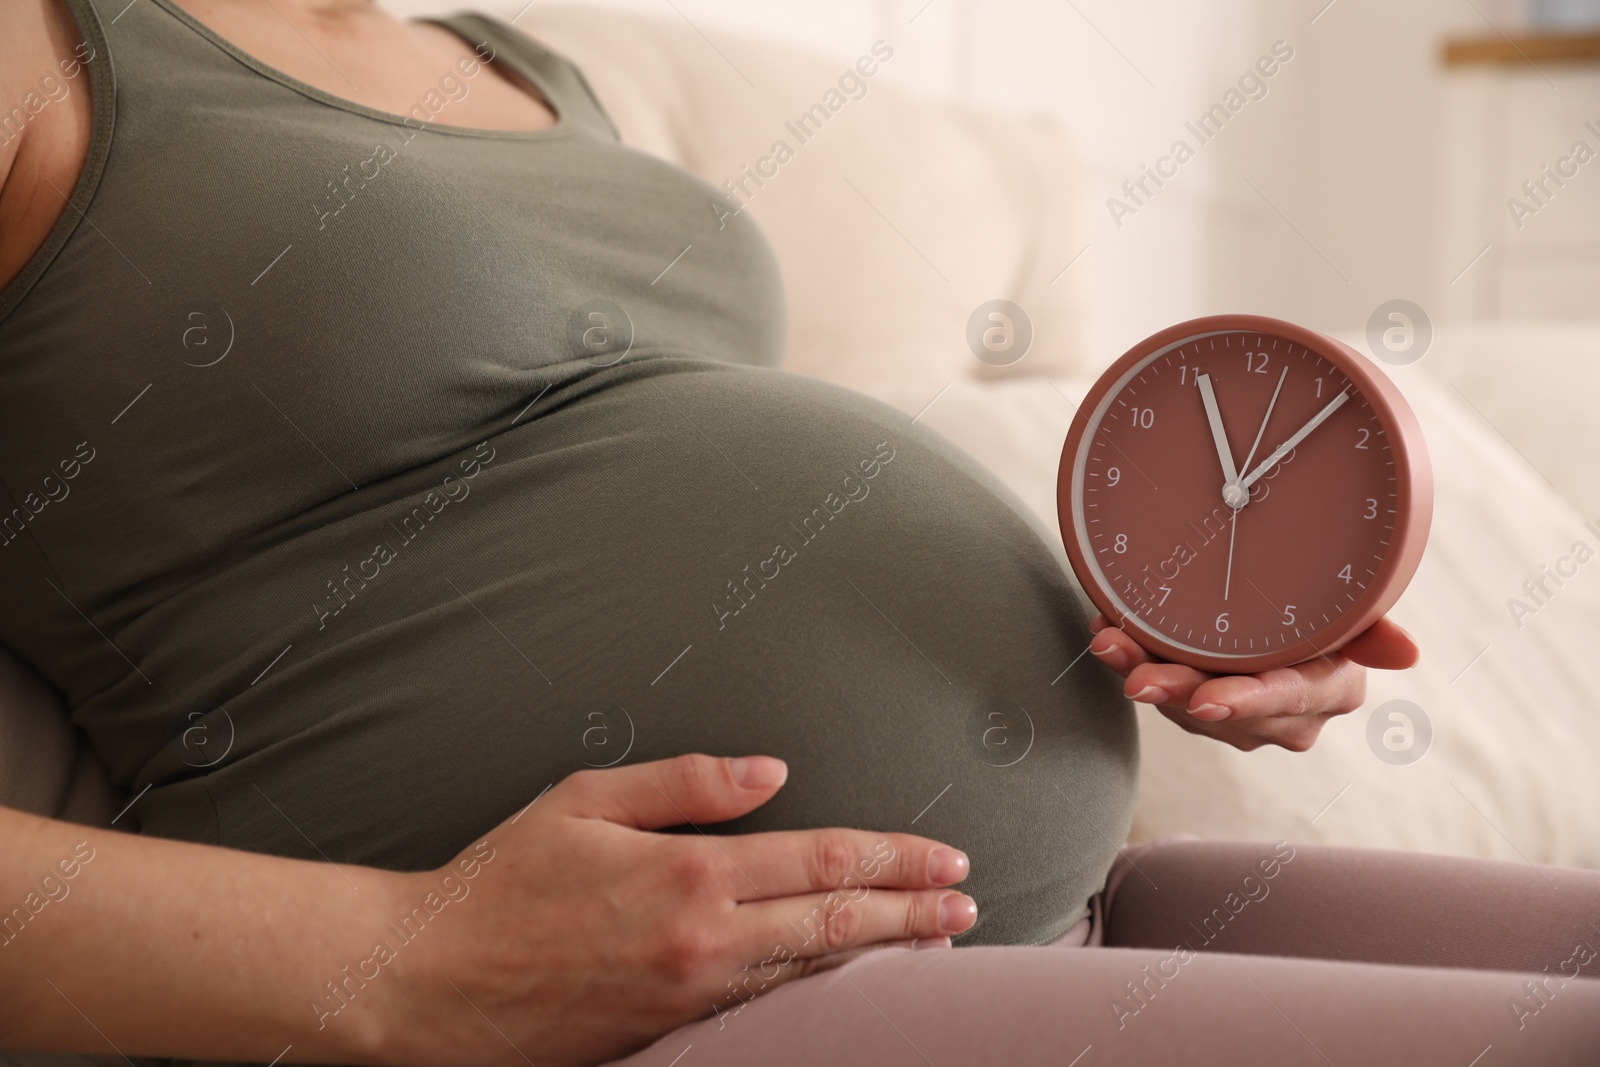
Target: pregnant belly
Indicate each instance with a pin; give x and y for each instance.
(689, 556)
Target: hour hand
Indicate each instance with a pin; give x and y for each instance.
(1208, 395)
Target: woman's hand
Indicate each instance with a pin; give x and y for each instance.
(580, 934)
(1286, 707)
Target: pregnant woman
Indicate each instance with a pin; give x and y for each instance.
(402, 491)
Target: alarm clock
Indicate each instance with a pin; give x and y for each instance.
(1239, 493)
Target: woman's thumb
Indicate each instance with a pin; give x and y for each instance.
(686, 789)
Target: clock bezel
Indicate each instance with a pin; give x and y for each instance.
(1413, 479)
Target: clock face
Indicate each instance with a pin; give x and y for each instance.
(1240, 494)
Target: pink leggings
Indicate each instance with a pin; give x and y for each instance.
(1220, 952)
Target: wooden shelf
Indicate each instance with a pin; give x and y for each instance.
(1522, 49)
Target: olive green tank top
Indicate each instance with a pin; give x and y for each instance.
(264, 300)
(361, 475)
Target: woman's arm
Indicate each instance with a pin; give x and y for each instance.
(572, 934)
(112, 943)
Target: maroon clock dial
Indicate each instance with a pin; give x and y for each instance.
(1241, 493)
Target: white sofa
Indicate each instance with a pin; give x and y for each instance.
(902, 216)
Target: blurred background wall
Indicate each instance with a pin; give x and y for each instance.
(1369, 171)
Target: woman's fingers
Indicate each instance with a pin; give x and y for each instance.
(1335, 683)
(782, 930)
(1116, 649)
(1164, 684)
(671, 792)
(1332, 685)
(1286, 707)
(1296, 733)
(824, 924)
(789, 863)
(1384, 646)
(1149, 680)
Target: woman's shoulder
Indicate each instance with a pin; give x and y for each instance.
(46, 118)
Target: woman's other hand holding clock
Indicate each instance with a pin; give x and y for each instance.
(1286, 707)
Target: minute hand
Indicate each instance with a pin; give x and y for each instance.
(1288, 446)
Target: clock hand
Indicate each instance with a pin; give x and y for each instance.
(1300, 435)
(1266, 418)
(1208, 396)
(1233, 524)
(1237, 497)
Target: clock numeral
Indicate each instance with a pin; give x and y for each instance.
(1255, 362)
(1361, 442)
(1120, 545)
(1113, 477)
(1166, 591)
(1144, 418)
(1319, 388)
(1288, 614)
(1222, 623)
(1345, 576)
(1372, 509)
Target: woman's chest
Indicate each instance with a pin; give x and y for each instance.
(245, 334)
